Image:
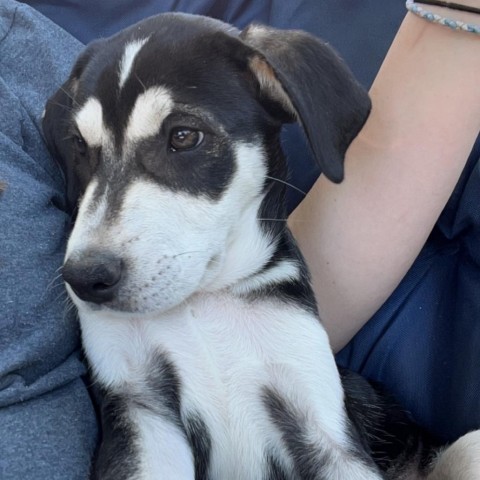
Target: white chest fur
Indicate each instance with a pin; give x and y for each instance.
(226, 350)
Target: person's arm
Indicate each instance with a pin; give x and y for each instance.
(360, 237)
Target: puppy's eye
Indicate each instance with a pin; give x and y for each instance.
(80, 144)
(184, 138)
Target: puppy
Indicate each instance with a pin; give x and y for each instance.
(197, 316)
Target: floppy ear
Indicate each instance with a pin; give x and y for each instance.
(308, 80)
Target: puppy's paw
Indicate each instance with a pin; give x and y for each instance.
(460, 461)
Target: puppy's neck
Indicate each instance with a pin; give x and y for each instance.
(263, 260)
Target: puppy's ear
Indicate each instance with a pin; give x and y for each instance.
(56, 126)
(311, 84)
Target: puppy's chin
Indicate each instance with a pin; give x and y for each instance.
(124, 308)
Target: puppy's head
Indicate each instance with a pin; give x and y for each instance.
(168, 137)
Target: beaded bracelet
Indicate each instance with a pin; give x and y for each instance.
(450, 5)
(447, 22)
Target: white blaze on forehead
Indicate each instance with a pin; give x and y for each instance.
(89, 121)
(90, 218)
(129, 54)
(149, 111)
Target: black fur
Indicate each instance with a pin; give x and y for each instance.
(308, 459)
(117, 457)
(296, 291)
(232, 97)
(200, 442)
(332, 107)
(163, 389)
(387, 432)
(275, 470)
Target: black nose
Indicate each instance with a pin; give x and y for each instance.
(94, 276)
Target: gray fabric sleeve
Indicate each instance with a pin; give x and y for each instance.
(47, 422)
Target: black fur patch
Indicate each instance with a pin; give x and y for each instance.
(117, 457)
(387, 431)
(275, 471)
(308, 458)
(295, 291)
(200, 443)
(162, 392)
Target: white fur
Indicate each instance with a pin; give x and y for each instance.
(180, 244)
(461, 461)
(131, 51)
(283, 271)
(227, 349)
(89, 120)
(165, 452)
(92, 221)
(149, 111)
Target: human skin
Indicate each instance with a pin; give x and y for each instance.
(360, 237)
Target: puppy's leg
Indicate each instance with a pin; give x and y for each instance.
(164, 450)
(460, 461)
(139, 445)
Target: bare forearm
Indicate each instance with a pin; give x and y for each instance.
(360, 237)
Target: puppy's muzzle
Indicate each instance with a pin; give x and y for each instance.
(94, 276)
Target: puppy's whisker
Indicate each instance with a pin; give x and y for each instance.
(68, 307)
(63, 294)
(69, 96)
(286, 183)
(140, 81)
(52, 284)
(61, 105)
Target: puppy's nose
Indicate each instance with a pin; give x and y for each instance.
(94, 276)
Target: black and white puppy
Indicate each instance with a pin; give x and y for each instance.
(197, 317)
